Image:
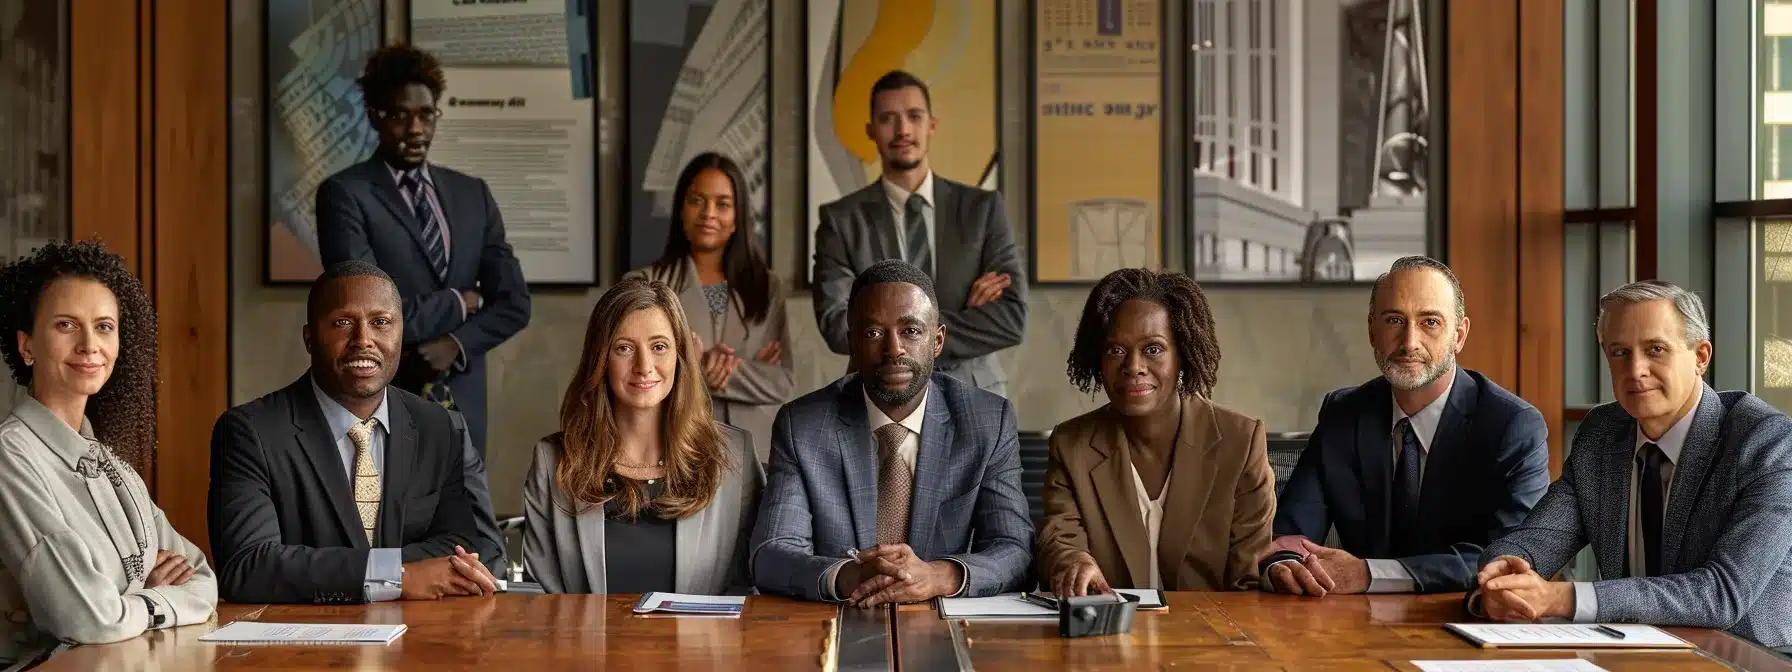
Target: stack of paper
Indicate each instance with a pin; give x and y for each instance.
(1008, 606)
(1566, 636)
(676, 604)
(252, 632)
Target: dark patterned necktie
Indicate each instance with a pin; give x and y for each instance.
(914, 227)
(1407, 483)
(1649, 499)
(895, 482)
(432, 225)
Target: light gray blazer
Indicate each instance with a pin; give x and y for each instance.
(563, 547)
(971, 237)
(78, 536)
(1726, 546)
(753, 394)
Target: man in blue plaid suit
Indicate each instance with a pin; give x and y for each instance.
(1685, 493)
(894, 484)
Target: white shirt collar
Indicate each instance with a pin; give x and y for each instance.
(914, 420)
(899, 196)
(1424, 422)
(1674, 439)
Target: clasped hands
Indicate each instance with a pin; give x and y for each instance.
(1513, 592)
(719, 361)
(1321, 571)
(892, 574)
(446, 576)
(443, 351)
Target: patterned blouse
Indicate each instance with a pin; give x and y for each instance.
(717, 295)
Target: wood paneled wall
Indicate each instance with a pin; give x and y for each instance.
(1504, 148)
(149, 99)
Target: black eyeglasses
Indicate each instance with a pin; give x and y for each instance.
(429, 115)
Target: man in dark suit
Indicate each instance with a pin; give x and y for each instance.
(1684, 493)
(851, 461)
(436, 231)
(1418, 469)
(955, 233)
(340, 489)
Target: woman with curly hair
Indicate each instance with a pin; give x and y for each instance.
(85, 555)
(1146, 338)
(640, 465)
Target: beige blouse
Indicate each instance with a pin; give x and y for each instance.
(78, 536)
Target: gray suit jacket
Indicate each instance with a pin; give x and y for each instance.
(821, 494)
(1729, 521)
(753, 394)
(971, 237)
(563, 545)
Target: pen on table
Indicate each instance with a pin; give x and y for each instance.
(1039, 600)
(1613, 632)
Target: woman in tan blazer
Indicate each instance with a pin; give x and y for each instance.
(735, 304)
(1160, 488)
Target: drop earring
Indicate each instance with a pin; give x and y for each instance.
(27, 358)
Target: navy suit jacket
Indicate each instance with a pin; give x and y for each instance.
(821, 492)
(361, 215)
(1487, 466)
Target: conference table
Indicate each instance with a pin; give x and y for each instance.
(526, 633)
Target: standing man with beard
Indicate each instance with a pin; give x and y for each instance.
(851, 461)
(1418, 469)
(956, 234)
(436, 231)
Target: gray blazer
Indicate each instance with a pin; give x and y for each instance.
(563, 546)
(78, 536)
(821, 499)
(971, 237)
(1729, 521)
(753, 394)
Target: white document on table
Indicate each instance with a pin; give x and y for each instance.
(1565, 636)
(679, 604)
(255, 632)
(1005, 606)
(1546, 665)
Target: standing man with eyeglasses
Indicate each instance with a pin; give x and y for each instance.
(436, 231)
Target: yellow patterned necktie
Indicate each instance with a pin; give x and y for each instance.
(366, 478)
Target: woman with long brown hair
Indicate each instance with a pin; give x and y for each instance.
(640, 463)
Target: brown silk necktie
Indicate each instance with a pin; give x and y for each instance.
(366, 478)
(895, 481)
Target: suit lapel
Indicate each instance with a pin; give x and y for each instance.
(1373, 430)
(1447, 449)
(1611, 541)
(932, 475)
(459, 208)
(689, 571)
(395, 478)
(874, 206)
(858, 459)
(1701, 447)
(948, 234)
(690, 293)
(590, 523)
(1191, 473)
(312, 435)
(1112, 476)
(379, 176)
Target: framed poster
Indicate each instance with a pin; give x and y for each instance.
(699, 80)
(1097, 169)
(952, 46)
(315, 120)
(513, 116)
(1309, 159)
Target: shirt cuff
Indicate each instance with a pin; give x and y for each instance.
(460, 359)
(459, 302)
(827, 581)
(164, 610)
(1586, 602)
(385, 575)
(964, 577)
(1389, 576)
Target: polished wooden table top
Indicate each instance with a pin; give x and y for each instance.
(1200, 630)
(1248, 630)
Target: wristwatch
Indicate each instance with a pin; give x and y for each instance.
(155, 620)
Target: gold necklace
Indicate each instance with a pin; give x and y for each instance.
(630, 465)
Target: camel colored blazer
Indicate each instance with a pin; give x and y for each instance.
(757, 389)
(1217, 516)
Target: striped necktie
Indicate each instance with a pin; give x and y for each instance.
(432, 225)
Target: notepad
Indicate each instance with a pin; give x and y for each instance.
(1565, 636)
(1008, 606)
(677, 604)
(1544, 665)
(254, 632)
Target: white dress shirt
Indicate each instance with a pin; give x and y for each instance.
(1152, 511)
(908, 451)
(899, 204)
(1586, 602)
(1389, 576)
